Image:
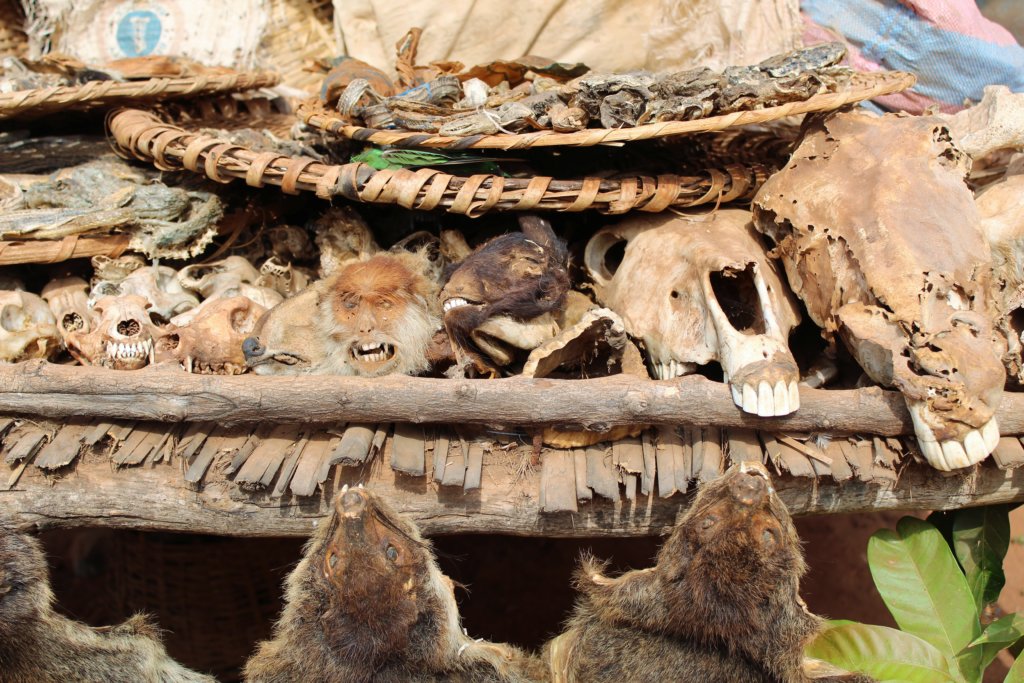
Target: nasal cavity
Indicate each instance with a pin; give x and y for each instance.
(737, 295)
(129, 328)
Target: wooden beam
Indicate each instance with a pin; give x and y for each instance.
(158, 498)
(59, 392)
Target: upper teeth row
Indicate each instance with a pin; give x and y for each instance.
(672, 369)
(765, 399)
(130, 350)
(371, 347)
(952, 454)
(453, 303)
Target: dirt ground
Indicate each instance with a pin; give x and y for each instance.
(216, 597)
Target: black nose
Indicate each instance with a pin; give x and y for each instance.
(251, 348)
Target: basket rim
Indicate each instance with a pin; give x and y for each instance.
(111, 93)
(864, 86)
(140, 134)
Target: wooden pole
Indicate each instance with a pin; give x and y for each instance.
(58, 392)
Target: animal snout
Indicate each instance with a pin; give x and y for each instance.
(251, 348)
(749, 488)
(351, 502)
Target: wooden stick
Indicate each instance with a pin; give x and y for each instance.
(161, 394)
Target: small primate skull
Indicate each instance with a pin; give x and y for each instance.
(370, 318)
(28, 329)
(212, 343)
(882, 240)
(120, 337)
(279, 275)
(68, 299)
(506, 296)
(156, 284)
(697, 289)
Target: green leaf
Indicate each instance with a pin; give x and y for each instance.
(1000, 634)
(981, 537)
(1016, 672)
(922, 585)
(882, 653)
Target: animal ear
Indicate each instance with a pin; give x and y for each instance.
(539, 230)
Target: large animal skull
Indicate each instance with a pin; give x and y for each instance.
(212, 343)
(121, 336)
(230, 277)
(69, 301)
(698, 289)
(1002, 220)
(881, 238)
(28, 329)
(156, 284)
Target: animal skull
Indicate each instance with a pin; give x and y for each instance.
(120, 337)
(881, 238)
(156, 284)
(702, 289)
(230, 277)
(212, 342)
(27, 327)
(69, 301)
(279, 275)
(1002, 220)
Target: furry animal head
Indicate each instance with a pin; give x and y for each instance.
(369, 318)
(517, 277)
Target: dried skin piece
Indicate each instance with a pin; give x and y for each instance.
(367, 602)
(28, 329)
(504, 298)
(722, 602)
(211, 343)
(120, 336)
(371, 318)
(39, 644)
(698, 289)
(881, 238)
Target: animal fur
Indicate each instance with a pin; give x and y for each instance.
(388, 299)
(519, 275)
(721, 604)
(368, 604)
(37, 645)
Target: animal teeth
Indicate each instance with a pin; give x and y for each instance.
(781, 395)
(765, 400)
(737, 395)
(950, 455)
(453, 303)
(794, 396)
(749, 399)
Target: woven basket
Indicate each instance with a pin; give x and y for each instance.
(95, 94)
(141, 135)
(863, 86)
(299, 32)
(214, 597)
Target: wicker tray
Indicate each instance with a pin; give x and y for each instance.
(141, 135)
(864, 86)
(96, 94)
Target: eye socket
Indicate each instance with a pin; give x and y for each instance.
(769, 537)
(386, 305)
(391, 553)
(708, 522)
(350, 305)
(332, 560)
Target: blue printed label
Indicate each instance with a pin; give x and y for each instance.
(139, 32)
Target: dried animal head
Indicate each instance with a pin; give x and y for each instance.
(881, 239)
(368, 602)
(506, 295)
(722, 602)
(158, 285)
(120, 336)
(370, 318)
(28, 329)
(68, 299)
(702, 289)
(342, 236)
(1002, 221)
(211, 344)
